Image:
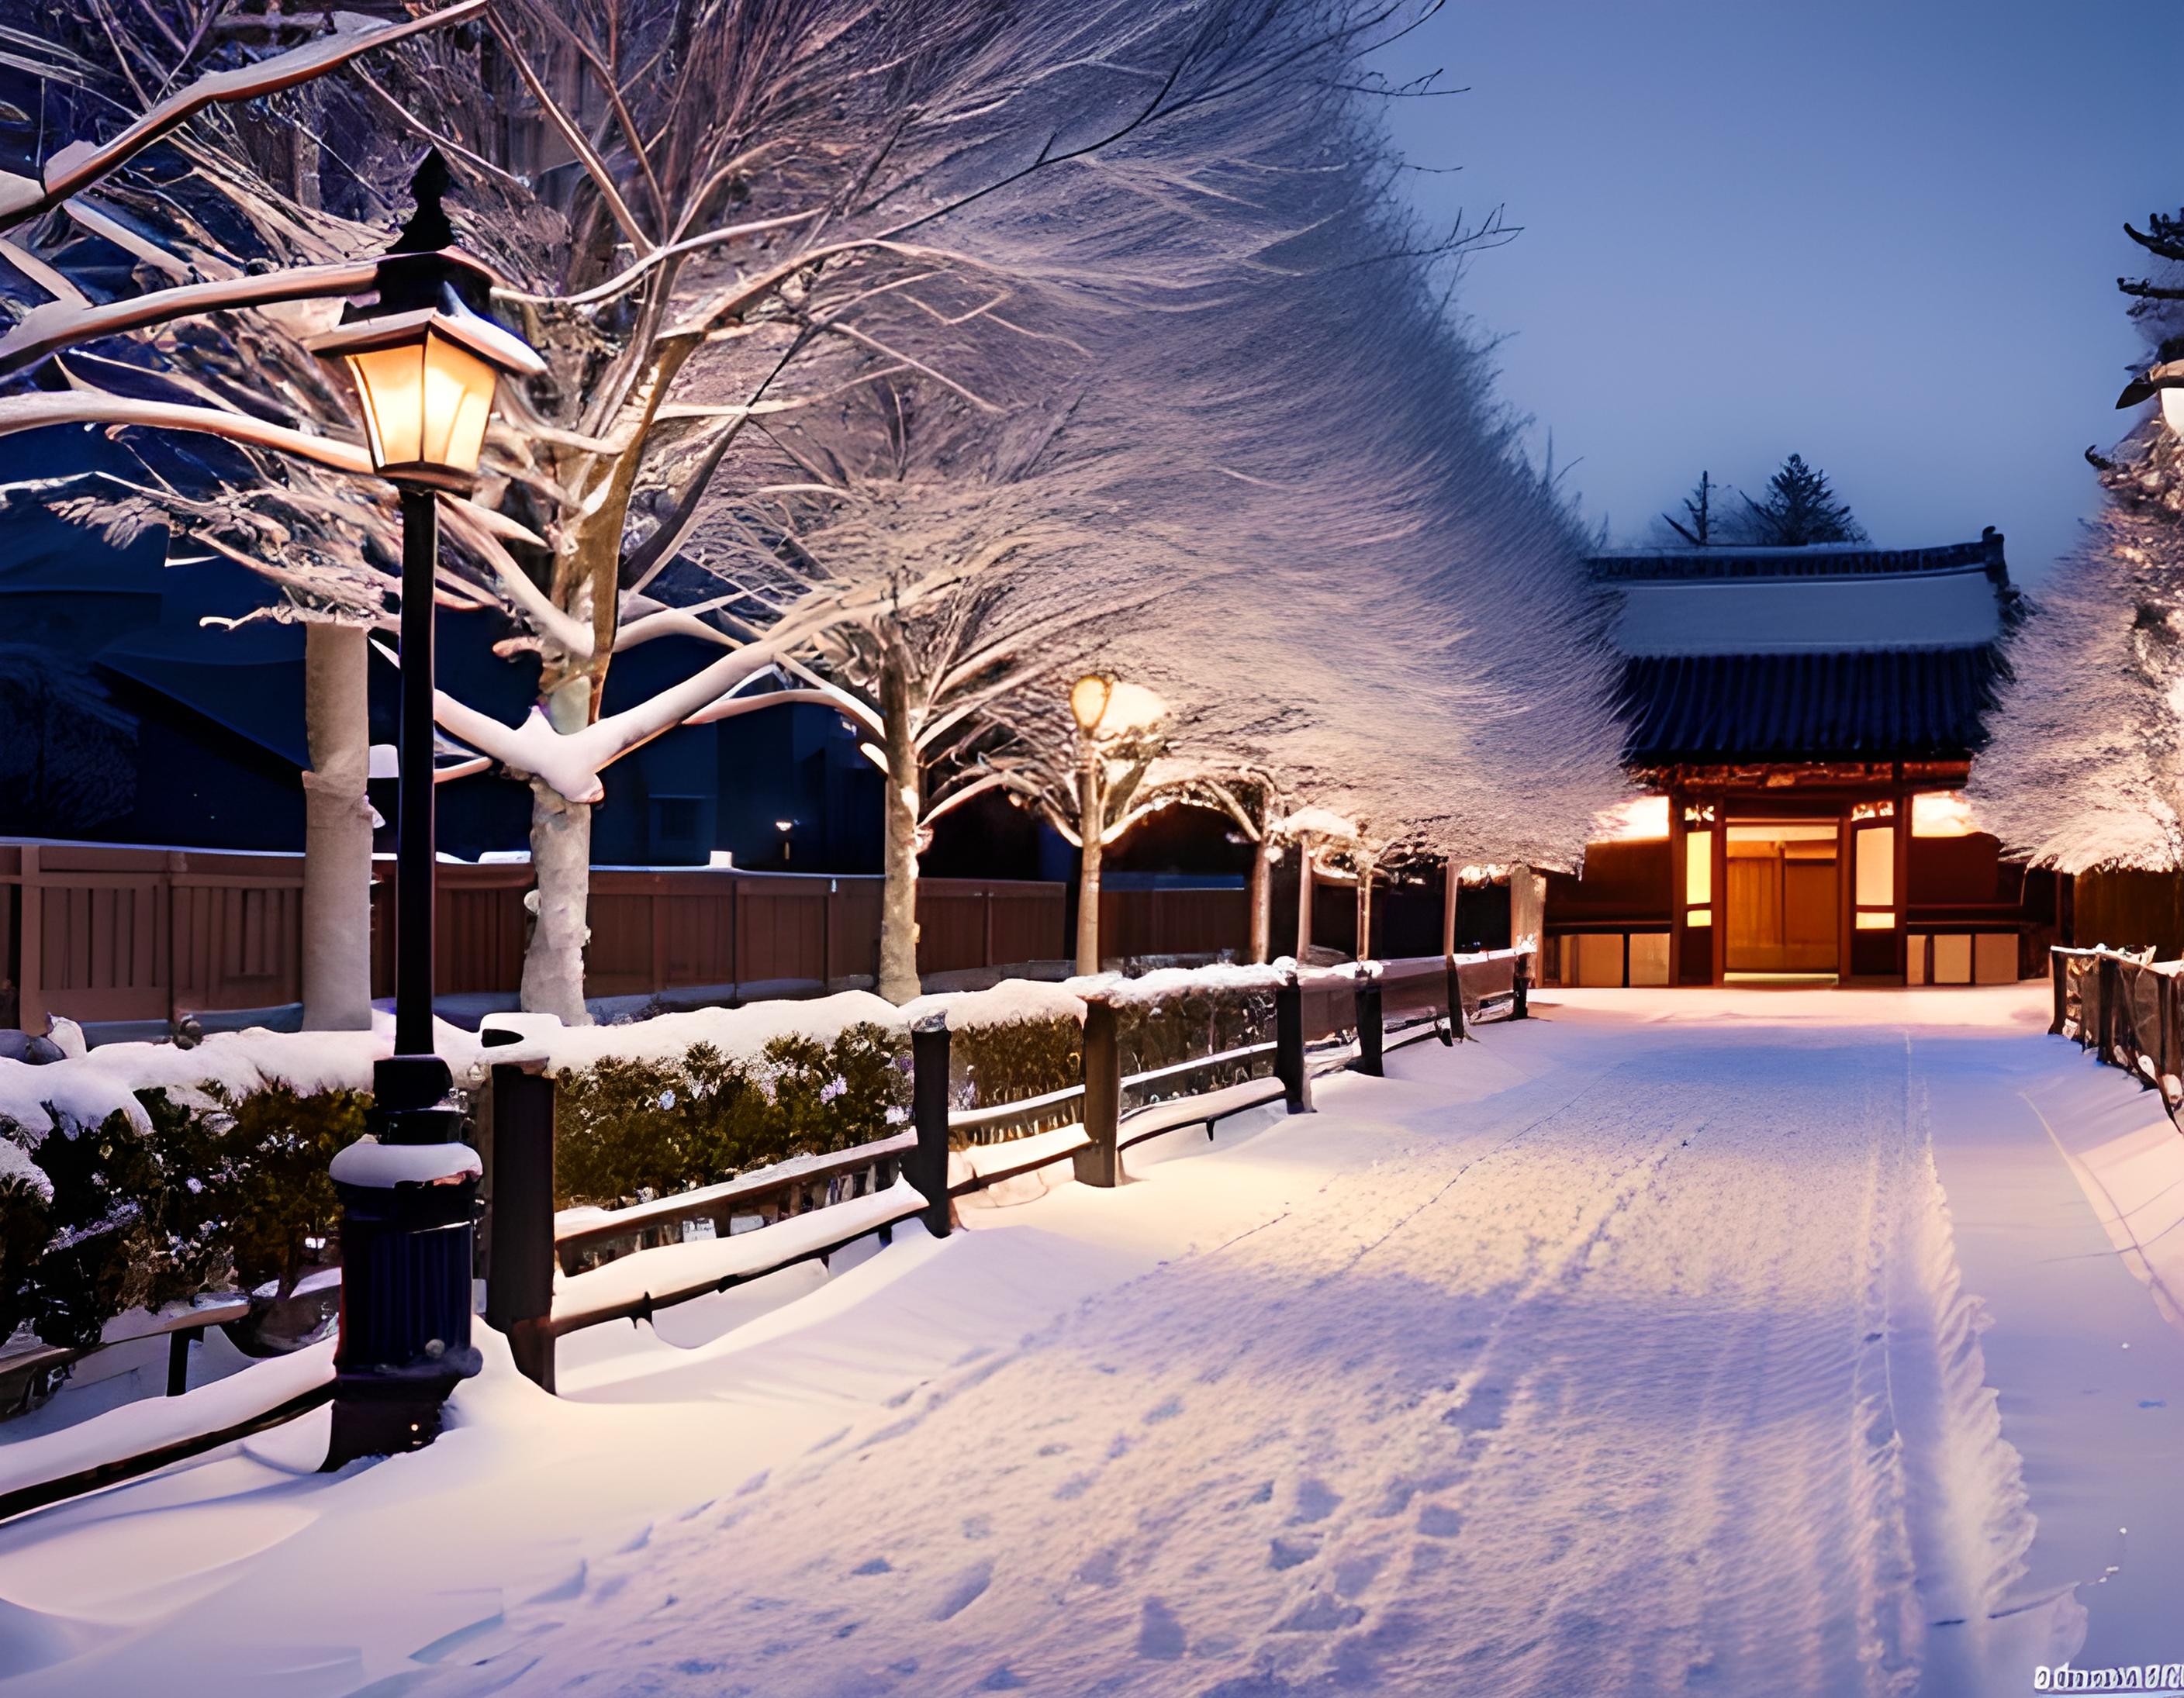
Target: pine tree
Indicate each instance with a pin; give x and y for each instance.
(1698, 508)
(1800, 509)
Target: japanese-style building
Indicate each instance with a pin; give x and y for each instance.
(1801, 721)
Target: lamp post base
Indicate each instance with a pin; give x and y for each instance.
(409, 1205)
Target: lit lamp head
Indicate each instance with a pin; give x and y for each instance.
(425, 361)
(1104, 708)
(2165, 378)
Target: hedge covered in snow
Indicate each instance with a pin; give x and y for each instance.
(141, 1173)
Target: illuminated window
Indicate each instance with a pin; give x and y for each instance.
(1876, 866)
(1699, 916)
(1870, 919)
(1698, 869)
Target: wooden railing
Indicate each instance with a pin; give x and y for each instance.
(2129, 1010)
(544, 1282)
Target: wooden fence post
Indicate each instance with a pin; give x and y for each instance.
(1520, 987)
(519, 1284)
(1457, 1034)
(1099, 1162)
(1289, 1046)
(928, 1164)
(2110, 981)
(1365, 991)
(2058, 971)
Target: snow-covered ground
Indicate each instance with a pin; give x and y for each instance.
(1732, 1342)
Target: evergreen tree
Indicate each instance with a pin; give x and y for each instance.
(1698, 527)
(1799, 509)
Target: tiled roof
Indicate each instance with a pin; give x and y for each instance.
(1871, 705)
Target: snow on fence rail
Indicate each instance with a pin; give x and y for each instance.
(2129, 1009)
(600, 1267)
(546, 1276)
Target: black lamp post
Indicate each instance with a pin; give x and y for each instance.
(425, 361)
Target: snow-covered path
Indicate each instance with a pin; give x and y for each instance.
(1597, 1389)
(1610, 1354)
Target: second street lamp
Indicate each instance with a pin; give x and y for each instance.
(425, 363)
(1107, 711)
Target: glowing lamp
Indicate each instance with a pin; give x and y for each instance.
(426, 379)
(1104, 707)
(425, 362)
(1088, 702)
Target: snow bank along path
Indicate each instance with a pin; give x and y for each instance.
(1609, 1355)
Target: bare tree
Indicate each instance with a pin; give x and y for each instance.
(702, 223)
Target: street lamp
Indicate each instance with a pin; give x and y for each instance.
(784, 826)
(1107, 711)
(425, 362)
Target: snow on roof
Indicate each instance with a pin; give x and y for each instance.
(1811, 614)
(1817, 559)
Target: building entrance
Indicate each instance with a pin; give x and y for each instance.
(1784, 897)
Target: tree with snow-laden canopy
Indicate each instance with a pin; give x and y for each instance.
(713, 224)
(2086, 770)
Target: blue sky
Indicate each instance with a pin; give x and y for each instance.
(1886, 236)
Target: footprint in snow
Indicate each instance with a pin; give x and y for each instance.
(876, 1565)
(1102, 1567)
(1288, 1553)
(1160, 1634)
(1321, 1613)
(1480, 1412)
(965, 1590)
(1353, 1574)
(1438, 1520)
(1315, 1502)
(1166, 1411)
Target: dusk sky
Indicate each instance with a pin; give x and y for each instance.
(1883, 236)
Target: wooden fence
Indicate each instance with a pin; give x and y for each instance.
(100, 932)
(2129, 1010)
(629, 1263)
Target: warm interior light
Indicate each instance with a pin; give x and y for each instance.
(1698, 869)
(1867, 921)
(1642, 819)
(1943, 813)
(2172, 409)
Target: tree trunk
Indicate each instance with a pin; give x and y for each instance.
(903, 802)
(337, 917)
(1365, 912)
(561, 864)
(1304, 902)
(1091, 814)
(1261, 898)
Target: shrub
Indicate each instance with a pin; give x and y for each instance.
(993, 1064)
(27, 1228)
(628, 1130)
(100, 1259)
